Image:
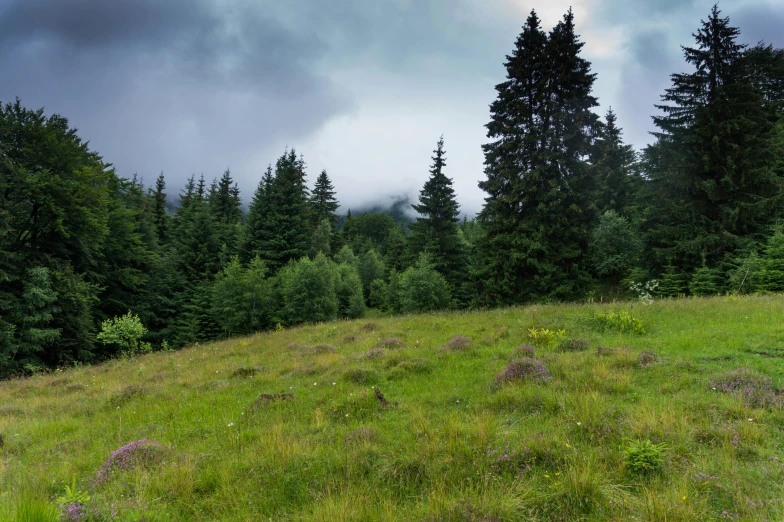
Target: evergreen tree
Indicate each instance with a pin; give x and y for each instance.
(713, 185)
(160, 216)
(614, 166)
(672, 283)
(436, 232)
(323, 202)
(255, 232)
(287, 224)
(539, 212)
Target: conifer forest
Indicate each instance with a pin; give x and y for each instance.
(571, 213)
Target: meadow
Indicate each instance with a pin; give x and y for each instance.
(624, 411)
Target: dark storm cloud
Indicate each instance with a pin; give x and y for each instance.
(182, 86)
(362, 88)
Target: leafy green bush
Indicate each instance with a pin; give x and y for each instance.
(125, 332)
(242, 298)
(643, 456)
(423, 289)
(348, 288)
(544, 337)
(622, 322)
(310, 293)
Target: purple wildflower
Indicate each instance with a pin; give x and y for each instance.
(74, 511)
(753, 387)
(142, 452)
(525, 369)
(459, 342)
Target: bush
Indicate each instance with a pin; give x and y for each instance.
(242, 298)
(622, 322)
(545, 337)
(310, 294)
(125, 332)
(643, 456)
(378, 294)
(371, 267)
(423, 289)
(351, 301)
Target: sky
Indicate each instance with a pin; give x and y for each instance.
(361, 88)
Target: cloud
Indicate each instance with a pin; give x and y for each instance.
(361, 88)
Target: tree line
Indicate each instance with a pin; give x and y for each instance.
(571, 212)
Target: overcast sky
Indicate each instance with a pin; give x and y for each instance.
(363, 88)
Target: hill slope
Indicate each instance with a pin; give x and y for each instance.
(391, 421)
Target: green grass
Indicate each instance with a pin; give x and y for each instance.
(450, 441)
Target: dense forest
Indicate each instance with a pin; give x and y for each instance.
(571, 212)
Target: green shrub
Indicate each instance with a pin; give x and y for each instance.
(643, 456)
(705, 282)
(351, 301)
(544, 337)
(622, 322)
(310, 293)
(423, 289)
(125, 332)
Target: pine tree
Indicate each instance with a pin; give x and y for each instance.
(255, 232)
(714, 153)
(436, 231)
(286, 226)
(160, 216)
(614, 166)
(539, 210)
(323, 202)
(226, 208)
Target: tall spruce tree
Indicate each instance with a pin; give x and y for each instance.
(323, 202)
(255, 233)
(436, 231)
(287, 223)
(713, 156)
(160, 216)
(539, 210)
(614, 166)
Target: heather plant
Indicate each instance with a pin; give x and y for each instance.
(754, 388)
(573, 345)
(137, 454)
(643, 456)
(524, 350)
(458, 343)
(621, 322)
(647, 358)
(125, 332)
(525, 369)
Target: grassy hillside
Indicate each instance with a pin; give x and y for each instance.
(289, 425)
